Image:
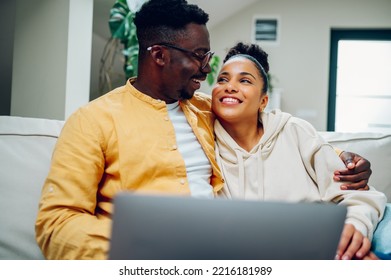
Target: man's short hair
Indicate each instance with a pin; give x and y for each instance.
(161, 21)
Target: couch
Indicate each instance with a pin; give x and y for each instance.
(26, 146)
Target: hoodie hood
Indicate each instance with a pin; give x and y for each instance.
(273, 122)
(243, 169)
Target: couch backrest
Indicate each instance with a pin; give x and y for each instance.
(26, 146)
(376, 147)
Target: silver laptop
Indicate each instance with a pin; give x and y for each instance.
(185, 228)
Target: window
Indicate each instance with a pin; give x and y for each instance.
(360, 83)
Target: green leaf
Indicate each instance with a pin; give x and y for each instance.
(214, 65)
(121, 21)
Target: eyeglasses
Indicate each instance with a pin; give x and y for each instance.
(204, 58)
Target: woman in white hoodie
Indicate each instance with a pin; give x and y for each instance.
(275, 156)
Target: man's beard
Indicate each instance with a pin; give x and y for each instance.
(184, 94)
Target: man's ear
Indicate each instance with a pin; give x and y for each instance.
(158, 54)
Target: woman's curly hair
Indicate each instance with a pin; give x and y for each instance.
(252, 50)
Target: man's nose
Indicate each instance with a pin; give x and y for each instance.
(207, 69)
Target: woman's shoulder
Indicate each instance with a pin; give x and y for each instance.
(302, 128)
(302, 124)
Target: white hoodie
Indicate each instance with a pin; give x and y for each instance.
(292, 163)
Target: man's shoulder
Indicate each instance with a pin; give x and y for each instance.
(100, 110)
(201, 100)
(106, 101)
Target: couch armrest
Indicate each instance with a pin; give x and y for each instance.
(26, 146)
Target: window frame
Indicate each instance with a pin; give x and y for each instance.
(336, 35)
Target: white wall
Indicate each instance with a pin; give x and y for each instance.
(301, 60)
(52, 53)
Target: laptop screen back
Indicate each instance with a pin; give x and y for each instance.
(185, 228)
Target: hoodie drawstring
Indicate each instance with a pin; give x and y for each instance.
(239, 156)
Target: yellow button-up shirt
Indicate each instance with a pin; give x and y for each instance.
(122, 141)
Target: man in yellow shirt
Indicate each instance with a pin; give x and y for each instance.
(152, 135)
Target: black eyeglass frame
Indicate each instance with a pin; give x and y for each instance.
(204, 58)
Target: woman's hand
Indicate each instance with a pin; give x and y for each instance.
(353, 245)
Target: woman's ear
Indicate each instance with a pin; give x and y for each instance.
(158, 54)
(263, 102)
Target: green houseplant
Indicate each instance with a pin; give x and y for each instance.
(123, 34)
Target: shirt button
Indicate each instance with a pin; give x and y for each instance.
(166, 118)
(174, 147)
(182, 181)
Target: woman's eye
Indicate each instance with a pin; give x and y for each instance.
(246, 81)
(221, 79)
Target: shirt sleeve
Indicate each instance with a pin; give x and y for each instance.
(67, 226)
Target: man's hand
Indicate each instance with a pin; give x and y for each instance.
(357, 172)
